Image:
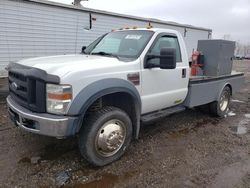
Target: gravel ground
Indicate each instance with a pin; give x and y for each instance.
(189, 149)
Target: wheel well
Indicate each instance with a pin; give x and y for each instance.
(230, 87)
(120, 100)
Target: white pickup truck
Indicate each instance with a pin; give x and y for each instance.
(104, 94)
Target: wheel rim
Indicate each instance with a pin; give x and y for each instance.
(110, 138)
(224, 101)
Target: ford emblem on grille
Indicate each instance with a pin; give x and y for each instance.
(14, 85)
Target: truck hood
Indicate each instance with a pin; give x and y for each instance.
(64, 64)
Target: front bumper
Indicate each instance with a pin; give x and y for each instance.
(42, 123)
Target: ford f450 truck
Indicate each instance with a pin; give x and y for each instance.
(103, 95)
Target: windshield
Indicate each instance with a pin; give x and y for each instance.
(127, 44)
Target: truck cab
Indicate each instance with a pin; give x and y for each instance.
(122, 79)
(161, 86)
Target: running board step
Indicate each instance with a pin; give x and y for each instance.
(161, 114)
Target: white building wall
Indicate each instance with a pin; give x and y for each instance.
(191, 39)
(105, 23)
(30, 29)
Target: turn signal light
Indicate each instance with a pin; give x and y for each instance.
(63, 96)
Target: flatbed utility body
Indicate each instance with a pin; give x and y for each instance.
(206, 89)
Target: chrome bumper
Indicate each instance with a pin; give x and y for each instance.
(42, 123)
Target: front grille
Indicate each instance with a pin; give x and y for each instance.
(18, 85)
(27, 91)
(27, 86)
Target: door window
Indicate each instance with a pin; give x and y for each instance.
(165, 42)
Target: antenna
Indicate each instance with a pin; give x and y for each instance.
(77, 3)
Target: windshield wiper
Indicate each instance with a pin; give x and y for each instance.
(105, 54)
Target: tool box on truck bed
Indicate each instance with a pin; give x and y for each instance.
(218, 56)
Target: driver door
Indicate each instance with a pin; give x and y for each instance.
(163, 88)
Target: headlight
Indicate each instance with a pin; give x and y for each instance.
(58, 98)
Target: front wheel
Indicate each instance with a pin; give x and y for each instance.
(220, 107)
(105, 136)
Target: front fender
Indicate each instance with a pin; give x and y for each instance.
(92, 92)
(100, 88)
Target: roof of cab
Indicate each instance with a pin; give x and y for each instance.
(147, 29)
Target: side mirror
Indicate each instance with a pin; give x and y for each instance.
(168, 58)
(83, 49)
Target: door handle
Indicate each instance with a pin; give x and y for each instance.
(184, 73)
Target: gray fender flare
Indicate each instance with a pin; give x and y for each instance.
(100, 88)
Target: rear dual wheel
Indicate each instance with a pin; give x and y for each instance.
(218, 108)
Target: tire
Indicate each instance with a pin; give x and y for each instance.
(110, 124)
(219, 108)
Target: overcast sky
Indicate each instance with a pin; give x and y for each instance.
(224, 17)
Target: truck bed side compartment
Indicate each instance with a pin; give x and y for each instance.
(206, 90)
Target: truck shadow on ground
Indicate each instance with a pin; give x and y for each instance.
(176, 125)
(63, 155)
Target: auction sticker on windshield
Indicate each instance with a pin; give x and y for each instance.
(134, 37)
